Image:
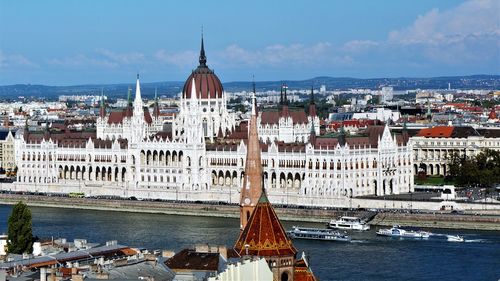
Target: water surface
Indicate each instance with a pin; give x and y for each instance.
(368, 257)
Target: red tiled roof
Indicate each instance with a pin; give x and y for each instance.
(116, 117)
(436, 132)
(272, 117)
(302, 272)
(206, 82)
(264, 234)
(189, 259)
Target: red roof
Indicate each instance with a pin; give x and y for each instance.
(302, 272)
(436, 132)
(272, 117)
(116, 117)
(264, 234)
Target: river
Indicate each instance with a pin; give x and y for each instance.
(367, 257)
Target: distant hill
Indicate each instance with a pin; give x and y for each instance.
(171, 88)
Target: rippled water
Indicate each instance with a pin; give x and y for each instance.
(368, 257)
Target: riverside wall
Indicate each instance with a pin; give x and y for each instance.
(435, 220)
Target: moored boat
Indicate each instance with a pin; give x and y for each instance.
(317, 234)
(350, 223)
(397, 231)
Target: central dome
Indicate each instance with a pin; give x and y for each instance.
(207, 83)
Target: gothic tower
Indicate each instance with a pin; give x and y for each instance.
(138, 118)
(252, 182)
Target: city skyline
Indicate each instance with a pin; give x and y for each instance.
(109, 43)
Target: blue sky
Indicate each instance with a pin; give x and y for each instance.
(81, 42)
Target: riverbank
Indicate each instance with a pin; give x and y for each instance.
(450, 221)
(437, 220)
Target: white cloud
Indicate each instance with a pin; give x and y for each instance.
(279, 55)
(121, 58)
(355, 46)
(466, 34)
(15, 60)
(80, 60)
(181, 59)
(474, 18)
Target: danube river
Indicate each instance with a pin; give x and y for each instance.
(367, 257)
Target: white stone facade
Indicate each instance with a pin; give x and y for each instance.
(192, 168)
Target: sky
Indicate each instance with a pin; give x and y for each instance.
(65, 42)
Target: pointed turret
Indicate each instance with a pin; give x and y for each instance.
(156, 108)
(129, 96)
(312, 105)
(281, 94)
(129, 109)
(138, 105)
(284, 110)
(252, 181)
(312, 135)
(404, 131)
(102, 109)
(342, 140)
(138, 97)
(203, 58)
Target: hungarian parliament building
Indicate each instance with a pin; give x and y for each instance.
(201, 157)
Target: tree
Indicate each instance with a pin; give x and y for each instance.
(20, 236)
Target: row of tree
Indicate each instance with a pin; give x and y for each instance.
(481, 170)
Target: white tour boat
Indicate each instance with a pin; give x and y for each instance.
(317, 234)
(351, 223)
(397, 231)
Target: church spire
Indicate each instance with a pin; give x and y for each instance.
(252, 182)
(203, 58)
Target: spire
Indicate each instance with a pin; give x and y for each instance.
(138, 107)
(342, 140)
(156, 108)
(252, 182)
(194, 94)
(312, 105)
(203, 58)
(404, 132)
(285, 99)
(284, 110)
(281, 94)
(138, 97)
(312, 94)
(254, 104)
(129, 96)
(253, 84)
(102, 109)
(312, 135)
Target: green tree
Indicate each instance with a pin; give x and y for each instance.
(20, 236)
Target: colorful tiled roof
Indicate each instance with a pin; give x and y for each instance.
(264, 234)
